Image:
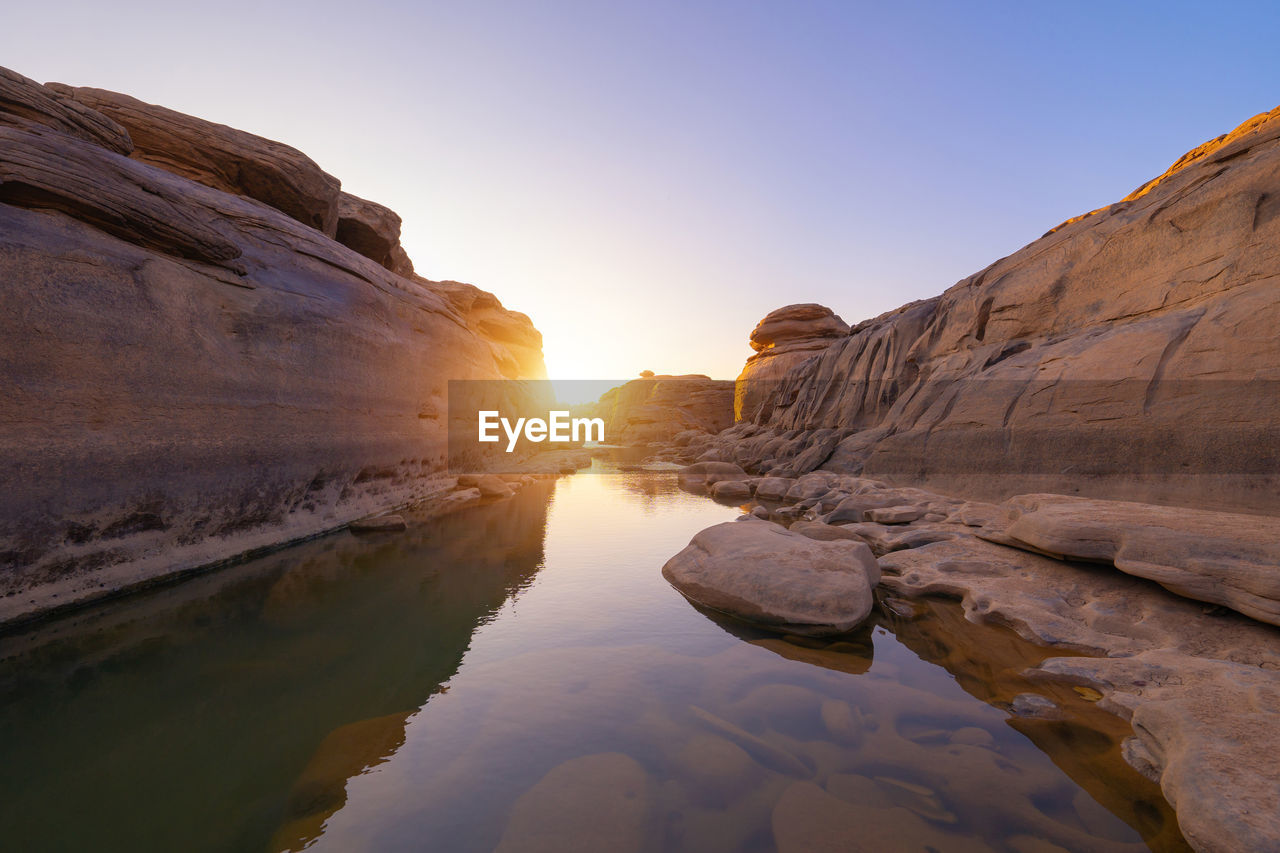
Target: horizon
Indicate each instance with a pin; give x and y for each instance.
(680, 172)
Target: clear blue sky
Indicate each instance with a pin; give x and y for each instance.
(648, 179)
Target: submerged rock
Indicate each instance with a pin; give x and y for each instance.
(766, 574)
(807, 819)
(596, 802)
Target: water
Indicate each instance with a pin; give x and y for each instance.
(519, 676)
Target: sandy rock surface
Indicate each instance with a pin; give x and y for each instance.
(763, 573)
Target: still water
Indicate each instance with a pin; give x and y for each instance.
(518, 676)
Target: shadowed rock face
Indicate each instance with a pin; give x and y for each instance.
(191, 373)
(1128, 354)
(373, 231)
(219, 156)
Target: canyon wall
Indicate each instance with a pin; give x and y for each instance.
(656, 409)
(208, 347)
(1129, 353)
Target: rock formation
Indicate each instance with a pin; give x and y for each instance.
(1218, 557)
(373, 231)
(765, 574)
(1198, 683)
(1128, 354)
(195, 368)
(654, 409)
(784, 339)
(219, 156)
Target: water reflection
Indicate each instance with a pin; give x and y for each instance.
(204, 716)
(520, 677)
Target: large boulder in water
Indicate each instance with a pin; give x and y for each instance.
(764, 573)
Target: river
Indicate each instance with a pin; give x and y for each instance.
(518, 676)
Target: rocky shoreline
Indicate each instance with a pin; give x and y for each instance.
(1077, 443)
(1199, 683)
(210, 348)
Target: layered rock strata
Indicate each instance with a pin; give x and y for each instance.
(195, 368)
(656, 409)
(784, 339)
(1129, 354)
(1200, 684)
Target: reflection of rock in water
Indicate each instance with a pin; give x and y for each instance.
(321, 788)
(928, 762)
(851, 653)
(989, 662)
(283, 666)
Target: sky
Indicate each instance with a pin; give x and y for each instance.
(646, 180)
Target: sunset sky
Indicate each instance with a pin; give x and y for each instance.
(648, 179)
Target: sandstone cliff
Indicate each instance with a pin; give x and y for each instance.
(195, 367)
(655, 409)
(1130, 353)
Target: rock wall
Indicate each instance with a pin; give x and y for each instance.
(783, 340)
(1129, 353)
(655, 409)
(194, 367)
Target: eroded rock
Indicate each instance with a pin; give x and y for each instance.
(221, 157)
(763, 573)
(1218, 557)
(373, 231)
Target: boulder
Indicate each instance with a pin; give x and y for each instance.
(765, 574)
(824, 532)
(773, 488)
(702, 475)
(1222, 558)
(493, 486)
(221, 157)
(855, 507)
(731, 490)
(904, 514)
(373, 231)
(515, 343)
(44, 170)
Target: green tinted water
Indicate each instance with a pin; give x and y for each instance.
(519, 676)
